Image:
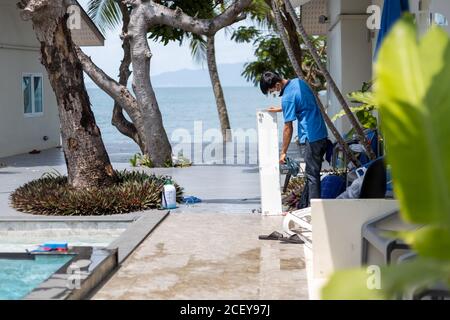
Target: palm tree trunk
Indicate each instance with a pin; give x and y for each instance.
(358, 129)
(298, 70)
(292, 35)
(217, 88)
(88, 164)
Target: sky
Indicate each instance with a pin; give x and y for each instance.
(168, 58)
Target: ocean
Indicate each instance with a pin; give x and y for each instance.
(189, 115)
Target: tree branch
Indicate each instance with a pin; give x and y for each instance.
(118, 92)
(156, 14)
(119, 120)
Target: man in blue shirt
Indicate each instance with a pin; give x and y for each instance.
(299, 103)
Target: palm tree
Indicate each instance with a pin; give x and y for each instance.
(217, 88)
(205, 50)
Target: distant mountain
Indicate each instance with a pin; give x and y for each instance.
(230, 76)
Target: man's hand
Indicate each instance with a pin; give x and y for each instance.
(283, 158)
(287, 138)
(274, 109)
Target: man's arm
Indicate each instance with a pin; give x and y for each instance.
(287, 138)
(275, 109)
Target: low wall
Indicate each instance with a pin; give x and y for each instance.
(337, 236)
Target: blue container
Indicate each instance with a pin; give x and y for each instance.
(332, 186)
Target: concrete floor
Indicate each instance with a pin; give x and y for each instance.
(203, 251)
(211, 256)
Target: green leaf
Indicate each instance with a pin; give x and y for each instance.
(367, 98)
(363, 112)
(412, 91)
(431, 241)
(106, 14)
(350, 285)
(387, 282)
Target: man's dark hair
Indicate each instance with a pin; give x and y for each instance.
(268, 80)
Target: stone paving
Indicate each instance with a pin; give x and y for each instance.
(211, 256)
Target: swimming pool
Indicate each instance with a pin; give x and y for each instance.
(21, 274)
(102, 242)
(20, 236)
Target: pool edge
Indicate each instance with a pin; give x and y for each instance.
(71, 283)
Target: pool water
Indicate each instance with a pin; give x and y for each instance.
(19, 277)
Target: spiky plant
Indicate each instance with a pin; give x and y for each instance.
(52, 195)
(294, 192)
(296, 186)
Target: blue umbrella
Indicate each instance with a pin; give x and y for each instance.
(392, 11)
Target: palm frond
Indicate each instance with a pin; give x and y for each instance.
(198, 48)
(106, 14)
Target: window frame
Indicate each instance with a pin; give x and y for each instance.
(33, 113)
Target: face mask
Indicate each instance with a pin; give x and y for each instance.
(275, 94)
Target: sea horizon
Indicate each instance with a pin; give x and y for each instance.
(191, 121)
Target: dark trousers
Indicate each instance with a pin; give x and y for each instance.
(313, 155)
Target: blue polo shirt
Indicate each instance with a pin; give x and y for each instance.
(299, 103)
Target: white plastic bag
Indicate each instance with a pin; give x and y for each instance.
(354, 190)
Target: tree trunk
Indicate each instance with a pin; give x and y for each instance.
(217, 88)
(298, 70)
(154, 135)
(124, 126)
(293, 39)
(144, 110)
(88, 164)
(358, 128)
(292, 35)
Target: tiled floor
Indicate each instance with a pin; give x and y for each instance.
(211, 256)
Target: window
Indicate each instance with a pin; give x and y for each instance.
(32, 94)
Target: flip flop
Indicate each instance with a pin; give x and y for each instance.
(293, 239)
(273, 236)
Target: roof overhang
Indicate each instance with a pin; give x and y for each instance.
(312, 14)
(298, 3)
(85, 33)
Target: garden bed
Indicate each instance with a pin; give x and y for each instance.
(52, 195)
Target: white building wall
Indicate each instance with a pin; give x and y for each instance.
(351, 44)
(19, 53)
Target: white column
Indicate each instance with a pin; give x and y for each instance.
(269, 168)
